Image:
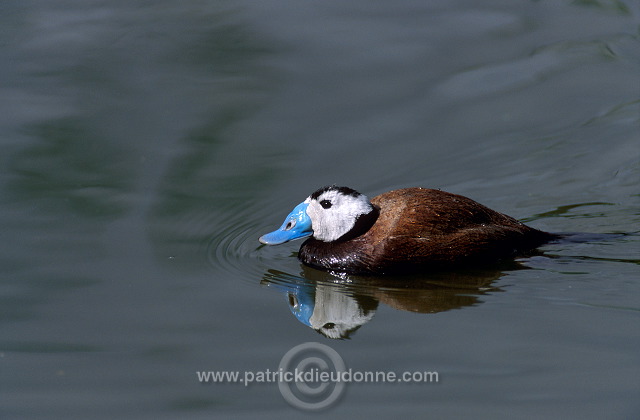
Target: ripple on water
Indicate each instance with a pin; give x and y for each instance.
(236, 251)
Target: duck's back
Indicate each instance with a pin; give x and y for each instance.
(423, 228)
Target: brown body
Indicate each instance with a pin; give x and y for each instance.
(420, 228)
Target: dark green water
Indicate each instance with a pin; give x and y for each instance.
(147, 145)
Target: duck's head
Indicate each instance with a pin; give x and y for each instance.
(330, 214)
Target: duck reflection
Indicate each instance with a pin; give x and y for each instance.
(336, 305)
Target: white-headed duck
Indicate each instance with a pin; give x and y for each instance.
(403, 230)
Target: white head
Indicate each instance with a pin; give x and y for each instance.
(329, 214)
(334, 211)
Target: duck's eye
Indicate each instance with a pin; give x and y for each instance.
(290, 224)
(292, 300)
(325, 204)
(329, 326)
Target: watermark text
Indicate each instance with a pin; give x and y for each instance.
(314, 375)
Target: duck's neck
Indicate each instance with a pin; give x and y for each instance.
(362, 225)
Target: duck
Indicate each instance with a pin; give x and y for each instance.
(401, 231)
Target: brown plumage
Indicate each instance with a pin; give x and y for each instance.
(418, 228)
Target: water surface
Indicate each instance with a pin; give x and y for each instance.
(146, 147)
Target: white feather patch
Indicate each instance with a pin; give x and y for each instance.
(331, 223)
